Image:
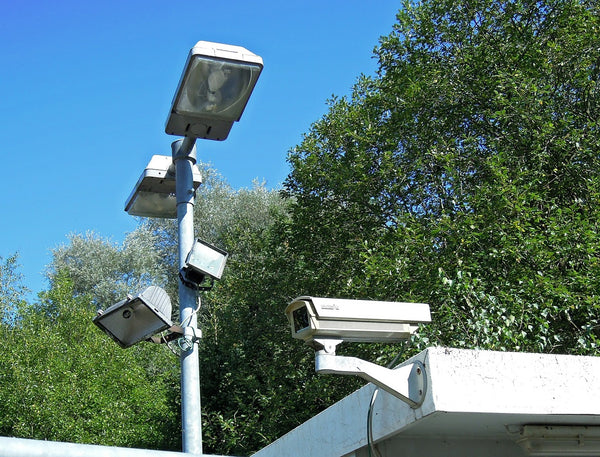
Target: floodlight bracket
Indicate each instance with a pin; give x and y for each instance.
(176, 332)
(196, 281)
(407, 382)
(184, 148)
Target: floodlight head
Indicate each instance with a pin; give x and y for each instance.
(136, 318)
(154, 193)
(213, 91)
(204, 260)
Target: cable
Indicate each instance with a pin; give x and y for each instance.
(370, 445)
(189, 318)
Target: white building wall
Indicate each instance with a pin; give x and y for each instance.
(475, 405)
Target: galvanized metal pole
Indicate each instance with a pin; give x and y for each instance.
(184, 157)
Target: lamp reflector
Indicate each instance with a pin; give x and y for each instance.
(213, 91)
(154, 193)
(216, 88)
(136, 318)
(206, 259)
(152, 204)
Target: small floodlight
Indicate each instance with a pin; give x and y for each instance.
(154, 193)
(136, 318)
(203, 262)
(213, 91)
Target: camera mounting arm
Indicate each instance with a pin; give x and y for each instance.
(407, 382)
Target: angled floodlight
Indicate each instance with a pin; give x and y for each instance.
(136, 318)
(213, 91)
(203, 262)
(560, 440)
(154, 193)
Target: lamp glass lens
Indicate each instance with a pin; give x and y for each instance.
(152, 204)
(130, 322)
(207, 260)
(216, 88)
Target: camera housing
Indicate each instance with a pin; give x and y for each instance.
(314, 318)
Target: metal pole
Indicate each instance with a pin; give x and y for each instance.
(184, 157)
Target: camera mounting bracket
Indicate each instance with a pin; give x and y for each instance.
(407, 382)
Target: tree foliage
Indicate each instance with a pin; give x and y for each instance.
(61, 380)
(107, 271)
(466, 175)
(12, 290)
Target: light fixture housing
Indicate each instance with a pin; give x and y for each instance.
(154, 193)
(213, 90)
(136, 318)
(204, 260)
(560, 440)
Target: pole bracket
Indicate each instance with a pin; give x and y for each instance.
(176, 332)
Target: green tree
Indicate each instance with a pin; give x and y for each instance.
(465, 174)
(107, 271)
(62, 380)
(12, 291)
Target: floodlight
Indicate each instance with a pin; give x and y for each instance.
(154, 193)
(136, 318)
(560, 440)
(202, 261)
(213, 91)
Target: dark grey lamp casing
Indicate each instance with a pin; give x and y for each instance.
(136, 318)
(213, 91)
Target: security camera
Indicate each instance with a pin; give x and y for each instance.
(323, 323)
(354, 320)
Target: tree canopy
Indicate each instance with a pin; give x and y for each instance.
(465, 174)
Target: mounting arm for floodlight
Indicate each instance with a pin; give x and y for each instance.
(186, 336)
(407, 382)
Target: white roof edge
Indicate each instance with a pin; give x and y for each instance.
(471, 394)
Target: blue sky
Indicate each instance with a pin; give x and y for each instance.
(85, 88)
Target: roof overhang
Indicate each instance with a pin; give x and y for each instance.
(477, 403)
